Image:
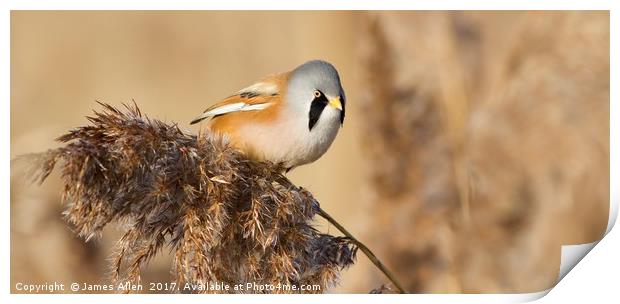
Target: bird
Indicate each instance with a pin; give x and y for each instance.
(290, 118)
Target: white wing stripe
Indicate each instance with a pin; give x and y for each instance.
(236, 107)
(258, 106)
(233, 107)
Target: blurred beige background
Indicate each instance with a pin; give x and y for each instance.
(475, 143)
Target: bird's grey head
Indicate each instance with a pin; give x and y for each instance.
(314, 86)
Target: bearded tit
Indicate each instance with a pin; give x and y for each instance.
(290, 118)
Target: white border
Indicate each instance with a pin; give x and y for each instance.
(599, 275)
(311, 5)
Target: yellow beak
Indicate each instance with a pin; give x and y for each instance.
(335, 103)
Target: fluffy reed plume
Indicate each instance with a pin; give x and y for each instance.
(227, 219)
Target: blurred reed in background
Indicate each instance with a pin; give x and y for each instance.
(490, 138)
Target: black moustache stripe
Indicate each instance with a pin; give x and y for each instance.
(316, 108)
(342, 112)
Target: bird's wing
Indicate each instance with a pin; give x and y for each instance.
(258, 96)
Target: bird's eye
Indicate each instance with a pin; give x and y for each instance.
(317, 94)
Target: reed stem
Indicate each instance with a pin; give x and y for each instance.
(371, 256)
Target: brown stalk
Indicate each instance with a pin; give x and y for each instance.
(371, 256)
